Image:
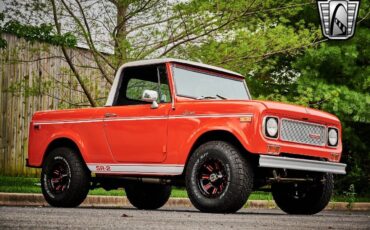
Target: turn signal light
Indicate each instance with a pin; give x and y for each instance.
(273, 149)
(245, 119)
(334, 156)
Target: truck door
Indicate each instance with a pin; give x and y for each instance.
(135, 127)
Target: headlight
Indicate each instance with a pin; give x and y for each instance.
(333, 137)
(271, 127)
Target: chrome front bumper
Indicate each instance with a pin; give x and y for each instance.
(267, 161)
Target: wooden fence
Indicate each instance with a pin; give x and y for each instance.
(35, 76)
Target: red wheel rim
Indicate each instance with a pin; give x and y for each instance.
(59, 177)
(212, 178)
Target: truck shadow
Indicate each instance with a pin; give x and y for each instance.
(261, 212)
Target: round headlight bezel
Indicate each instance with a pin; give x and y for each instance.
(330, 143)
(267, 127)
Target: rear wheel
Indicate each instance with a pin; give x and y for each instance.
(65, 180)
(147, 196)
(304, 198)
(218, 178)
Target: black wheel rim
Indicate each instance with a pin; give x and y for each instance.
(212, 178)
(59, 177)
(298, 192)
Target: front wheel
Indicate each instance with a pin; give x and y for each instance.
(218, 179)
(147, 196)
(304, 198)
(65, 180)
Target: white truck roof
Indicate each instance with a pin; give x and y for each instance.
(165, 60)
(161, 61)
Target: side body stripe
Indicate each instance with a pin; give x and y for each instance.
(165, 169)
(141, 118)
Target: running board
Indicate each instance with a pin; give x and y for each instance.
(267, 161)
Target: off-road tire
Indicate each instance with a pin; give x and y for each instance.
(147, 196)
(75, 178)
(312, 198)
(237, 187)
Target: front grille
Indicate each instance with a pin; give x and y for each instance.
(302, 132)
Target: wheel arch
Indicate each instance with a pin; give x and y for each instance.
(63, 142)
(217, 135)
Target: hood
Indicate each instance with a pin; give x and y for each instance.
(300, 112)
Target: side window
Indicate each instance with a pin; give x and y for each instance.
(137, 79)
(136, 87)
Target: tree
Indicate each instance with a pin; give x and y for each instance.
(277, 45)
(158, 28)
(287, 59)
(334, 76)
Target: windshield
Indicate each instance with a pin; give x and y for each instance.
(200, 85)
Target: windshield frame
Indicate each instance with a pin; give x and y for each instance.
(210, 72)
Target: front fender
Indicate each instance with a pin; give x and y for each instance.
(241, 131)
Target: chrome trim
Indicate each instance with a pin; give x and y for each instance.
(267, 161)
(136, 118)
(327, 137)
(142, 118)
(304, 122)
(264, 126)
(67, 122)
(210, 116)
(310, 123)
(167, 169)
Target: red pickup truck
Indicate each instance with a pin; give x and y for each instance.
(173, 122)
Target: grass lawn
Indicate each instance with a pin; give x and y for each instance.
(32, 185)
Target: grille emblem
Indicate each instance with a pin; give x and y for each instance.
(314, 135)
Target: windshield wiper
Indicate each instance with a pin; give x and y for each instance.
(222, 97)
(182, 95)
(211, 97)
(206, 97)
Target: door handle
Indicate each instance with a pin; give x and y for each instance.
(110, 115)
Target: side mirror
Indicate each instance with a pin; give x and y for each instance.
(150, 96)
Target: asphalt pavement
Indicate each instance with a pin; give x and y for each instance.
(175, 218)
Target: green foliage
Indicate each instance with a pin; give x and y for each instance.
(32, 185)
(3, 43)
(43, 32)
(260, 45)
(335, 77)
(27, 87)
(275, 44)
(279, 52)
(349, 105)
(351, 195)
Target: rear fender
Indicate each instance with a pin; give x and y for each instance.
(72, 137)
